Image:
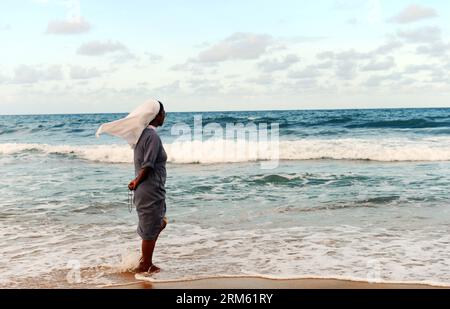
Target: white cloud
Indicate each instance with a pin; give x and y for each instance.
(348, 4)
(153, 58)
(378, 80)
(436, 49)
(302, 85)
(25, 74)
(414, 13)
(99, 48)
(3, 79)
(262, 80)
(388, 47)
(75, 26)
(237, 47)
(416, 68)
(344, 55)
(192, 65)
(273, 65)
(171, 88)
(421, 35)
(323, 65)
(309, 72)
(352, 21)
(124, 57)
(346, 69)
(204, 86)
(387, 64)
(78, 72)
(5, 27)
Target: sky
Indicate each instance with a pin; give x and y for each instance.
(100, 56)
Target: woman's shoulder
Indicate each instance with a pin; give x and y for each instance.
(149, 135)
(151, 132)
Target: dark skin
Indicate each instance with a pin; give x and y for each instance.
(148, 246)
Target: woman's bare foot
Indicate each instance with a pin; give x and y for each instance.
(142, 267)
(153, 269)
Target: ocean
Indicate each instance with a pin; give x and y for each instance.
(356, 195)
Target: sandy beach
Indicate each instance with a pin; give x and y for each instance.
(262, 283)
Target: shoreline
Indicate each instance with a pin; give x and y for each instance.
(266, 283)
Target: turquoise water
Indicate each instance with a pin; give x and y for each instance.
(357, 194)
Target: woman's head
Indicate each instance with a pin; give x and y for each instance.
(159, 119)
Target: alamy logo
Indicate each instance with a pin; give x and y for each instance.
(232, 142)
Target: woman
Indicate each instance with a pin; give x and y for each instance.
(149, 186)
(139, 130)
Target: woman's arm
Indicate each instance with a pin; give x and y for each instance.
(150, 150)
(143, 174)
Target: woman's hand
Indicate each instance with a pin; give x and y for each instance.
(133, 185)
(140, 178)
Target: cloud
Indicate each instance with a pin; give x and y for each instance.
(346, 69)
(388, 47)
(187, 66)
(262, 80)
(413, 13)
(238, 46)
(302, 84)
(98, 48)
(437, 49)
(3, 78)
(273, 65)
(78, 72)
(344, 55)
(437, 73)
(377, 80)
(384, 49)
(25, 74)
(309, 72)
(348, 4)
(63, 27)
(124, 57)
(352, 21)
(5, 27)
(421, 35)
(153, 58)
(387, 64)
(243, 46)
(204, 86)
(192, 65)
(347, 64)
(323, 65)
(416, 68)
(171, 88)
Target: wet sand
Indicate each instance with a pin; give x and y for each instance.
(261, 283)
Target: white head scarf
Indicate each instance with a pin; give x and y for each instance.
(131, 127)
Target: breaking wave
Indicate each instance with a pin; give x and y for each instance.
(223, 151)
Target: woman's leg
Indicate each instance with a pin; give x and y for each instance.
(148, 247)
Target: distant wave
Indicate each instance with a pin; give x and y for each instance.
(400, 124)
(221, 151)
(346, 122)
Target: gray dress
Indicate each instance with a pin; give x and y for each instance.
(150, 195)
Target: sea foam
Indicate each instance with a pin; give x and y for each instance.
(223, 151)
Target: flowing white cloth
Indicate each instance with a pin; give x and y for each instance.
(131, 127)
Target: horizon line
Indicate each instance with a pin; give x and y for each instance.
(234, 111)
